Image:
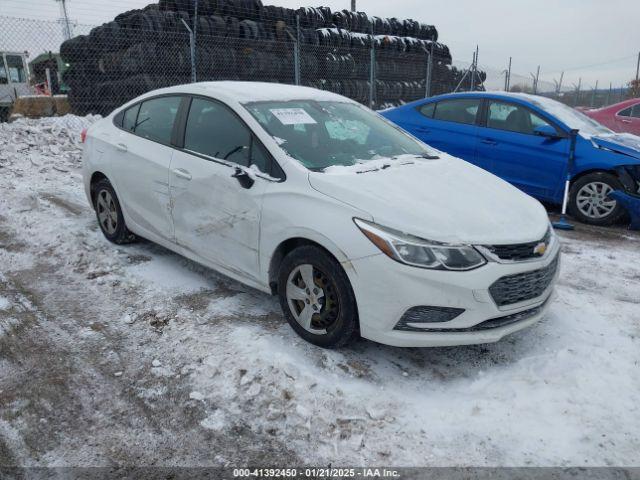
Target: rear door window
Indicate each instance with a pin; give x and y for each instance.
(636, 111)
(156, 118)
(463, 110)
(427, 109)
(130, 118)
(626, 112)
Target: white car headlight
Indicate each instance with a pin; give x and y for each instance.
(419, 252)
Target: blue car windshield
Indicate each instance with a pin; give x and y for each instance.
(571, 117)
(321, 134)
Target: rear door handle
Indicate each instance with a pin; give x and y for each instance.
(625, 121)
(181, 173)
(489, 141)
(122, 147)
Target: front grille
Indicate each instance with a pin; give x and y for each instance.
(519, 251)
(523, 286)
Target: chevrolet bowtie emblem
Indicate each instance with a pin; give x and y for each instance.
(540, 249)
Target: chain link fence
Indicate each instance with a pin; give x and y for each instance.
(378, 62)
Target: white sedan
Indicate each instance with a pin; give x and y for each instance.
(358, 227)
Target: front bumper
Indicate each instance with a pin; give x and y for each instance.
(385, 290)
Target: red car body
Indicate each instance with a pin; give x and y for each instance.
(620, 117)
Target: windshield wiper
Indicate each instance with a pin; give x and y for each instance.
(427, 156)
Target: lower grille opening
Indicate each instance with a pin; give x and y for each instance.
(426, 314)
(488, 324)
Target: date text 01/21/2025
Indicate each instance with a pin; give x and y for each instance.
(316, 473)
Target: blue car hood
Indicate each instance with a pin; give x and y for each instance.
(623, 143)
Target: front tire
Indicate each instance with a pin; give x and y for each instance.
(316, 297)
(109, 214)
(589, 201)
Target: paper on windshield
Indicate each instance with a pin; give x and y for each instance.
(292, 116)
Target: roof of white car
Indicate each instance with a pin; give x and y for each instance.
(245, 92)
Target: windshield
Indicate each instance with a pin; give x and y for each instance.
(571, 117)
(325, 134)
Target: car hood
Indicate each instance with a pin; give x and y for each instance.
(623, 143)
(446, 200)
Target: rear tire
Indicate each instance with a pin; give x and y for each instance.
(322, 309)
(588, 201)
(109, 214)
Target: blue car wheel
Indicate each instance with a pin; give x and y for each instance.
(589, 199)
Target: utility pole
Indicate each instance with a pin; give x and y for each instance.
(535, 80)
(609, 95)
(353, 5)
(64, 20)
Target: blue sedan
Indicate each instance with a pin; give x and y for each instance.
(525, 140)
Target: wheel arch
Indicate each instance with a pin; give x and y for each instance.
(287, 246)
(96, 177)
(583, 173)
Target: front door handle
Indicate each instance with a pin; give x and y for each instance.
(122, 147)
(181, 173)
(423, 130)
(489, 141)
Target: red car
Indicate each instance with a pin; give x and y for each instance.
(621, 117)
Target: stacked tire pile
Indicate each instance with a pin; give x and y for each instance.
(141, 50)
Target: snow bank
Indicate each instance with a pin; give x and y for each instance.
(4, 303)
(37, 139)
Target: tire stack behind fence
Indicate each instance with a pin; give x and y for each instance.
(343, 51)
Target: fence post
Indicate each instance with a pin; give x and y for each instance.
(296, 52)
(473, 72)
(192, 43)
(372, 72)
(427, 91)
(49, 86)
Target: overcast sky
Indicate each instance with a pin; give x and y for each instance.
(592, 39)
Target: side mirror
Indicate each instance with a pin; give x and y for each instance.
(243, 178)
(547, 131)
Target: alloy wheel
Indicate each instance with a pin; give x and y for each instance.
(107, 212)
(312, 299)
(592, 200)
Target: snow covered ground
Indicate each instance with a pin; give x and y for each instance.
(134, 355)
